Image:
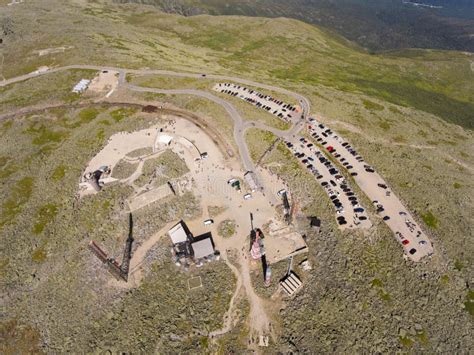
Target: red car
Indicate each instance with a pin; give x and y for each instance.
(330, 149)
(405, 241)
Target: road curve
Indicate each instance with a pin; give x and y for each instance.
(239, 125)
(304, 102)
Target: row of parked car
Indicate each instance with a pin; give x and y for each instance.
(321, 137)
(284, 111)
(329, 186)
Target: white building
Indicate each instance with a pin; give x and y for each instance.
(81, 86)
(178, 234)
(251, 180)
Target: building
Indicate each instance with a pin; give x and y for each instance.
(251, 180)
(188, 249)
(178, 234)
(81, 86)
(203, 247)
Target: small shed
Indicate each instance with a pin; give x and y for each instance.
(203, 248)
(178, 234)
(251, 180)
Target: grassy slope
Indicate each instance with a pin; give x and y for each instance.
(279, 50)
(434, 183)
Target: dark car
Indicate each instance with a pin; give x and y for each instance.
(319, 177)
(362, 218)
(412, 251)
(386, 218)
(333, 197)
(358, 210)
(324, 183)
(352, 198)
(332, 183)
(383, 186)
(354, 174)
(342, 222)
(304, 161)
(333, 171)
(353, 203)
(350, 193)
(344, 144)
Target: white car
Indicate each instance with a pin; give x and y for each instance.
(208, 222)
(247, 196)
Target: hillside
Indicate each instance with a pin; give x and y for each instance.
(409, 113)
(375, 25)
(300, 54)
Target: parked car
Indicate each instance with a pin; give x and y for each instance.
(208, 222)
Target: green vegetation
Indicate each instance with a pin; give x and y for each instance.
(457, 185)
(159, 170)
(259, 142)
(458, 265)
(308, 57)
(430, 219)
(214, 211)
(88, 114)
(44, 216)
(140, 152)
(226, 228)
(53, 88)
(59, 172)
(406, 342)
(469, 303)
(19, 195)
(121, 113)
(372, 106)
(124, 169)
(39, 255)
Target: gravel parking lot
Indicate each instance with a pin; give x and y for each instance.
(408, 233)
(274, 106)
(349, 212)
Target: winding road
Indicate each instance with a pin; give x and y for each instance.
(239, 125)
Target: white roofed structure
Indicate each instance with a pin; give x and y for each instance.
(178, 234)
(202, 248)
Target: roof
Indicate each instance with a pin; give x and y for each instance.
(178, 234)
(251, 180)
(164, 139)
(202, 248)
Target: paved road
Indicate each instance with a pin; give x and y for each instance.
(239, 125)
